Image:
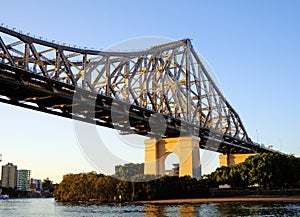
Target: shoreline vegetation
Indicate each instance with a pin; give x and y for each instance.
(260, 176)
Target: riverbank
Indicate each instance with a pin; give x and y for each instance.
(227, 199)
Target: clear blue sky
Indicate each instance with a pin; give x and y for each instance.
(253, 47)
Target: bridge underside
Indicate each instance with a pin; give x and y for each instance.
(21, 88)
(164, 91)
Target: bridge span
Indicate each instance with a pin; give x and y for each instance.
(134, 92)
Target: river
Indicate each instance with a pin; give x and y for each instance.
(48, 207)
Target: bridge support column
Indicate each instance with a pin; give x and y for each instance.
(186, 148)
(233, 159)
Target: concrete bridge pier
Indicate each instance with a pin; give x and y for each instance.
(186, 149)
(233, 159)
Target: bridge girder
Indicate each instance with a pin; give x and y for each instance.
(169, 79)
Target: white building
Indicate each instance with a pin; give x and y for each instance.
(23, 180)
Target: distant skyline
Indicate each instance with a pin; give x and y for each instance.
(20, 168)
(253, 47)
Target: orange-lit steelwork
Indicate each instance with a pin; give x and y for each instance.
(168, 80)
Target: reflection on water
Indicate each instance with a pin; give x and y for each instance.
(170, 210)
(48, 207)
(224, 209)
(186, 210)
(152, 210)
(259, 209)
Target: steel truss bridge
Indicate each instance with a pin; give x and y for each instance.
(122, 90)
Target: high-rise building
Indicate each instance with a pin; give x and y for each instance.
(9, 176)
(23, 181)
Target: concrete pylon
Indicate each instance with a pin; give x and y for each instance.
(233, 159)
(186, 148)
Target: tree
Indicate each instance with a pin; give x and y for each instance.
(47, 185)
(127, 171)
(273, 170)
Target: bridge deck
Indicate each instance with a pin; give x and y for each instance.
(32, 91)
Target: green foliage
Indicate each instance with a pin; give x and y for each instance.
(100, 188)
(84, 187)
(47, 184)
(267, 170)
(127, 171)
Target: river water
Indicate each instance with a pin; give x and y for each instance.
(48, 207)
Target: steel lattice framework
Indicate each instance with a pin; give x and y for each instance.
(168, 79)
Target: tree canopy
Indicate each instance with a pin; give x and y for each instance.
(269, 171)
(272, 171)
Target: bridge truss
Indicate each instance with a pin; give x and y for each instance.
(122, 90)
